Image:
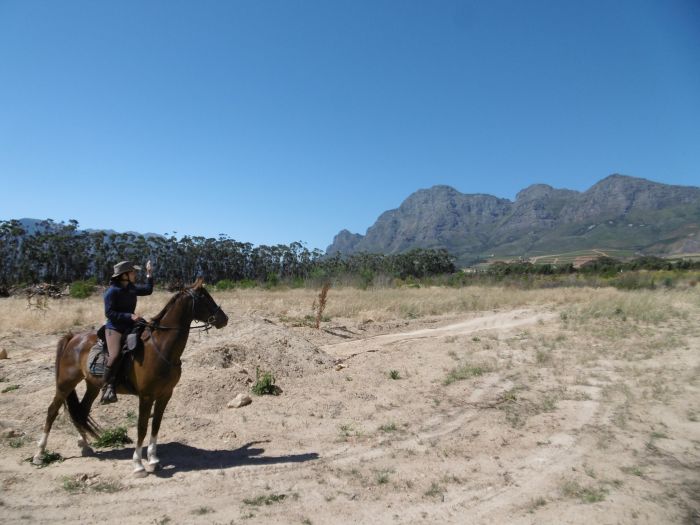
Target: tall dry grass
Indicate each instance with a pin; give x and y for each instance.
(378, 304)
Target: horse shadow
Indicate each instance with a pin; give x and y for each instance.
(177, 457)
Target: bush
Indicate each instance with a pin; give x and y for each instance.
(225, 284)
(264, 384)
(82, 289)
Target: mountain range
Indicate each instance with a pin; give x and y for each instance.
(622, 213)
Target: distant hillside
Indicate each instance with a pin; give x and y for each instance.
(617, 213)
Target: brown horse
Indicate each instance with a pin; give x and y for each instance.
(155, 372)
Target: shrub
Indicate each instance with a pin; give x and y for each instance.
(225, 284)
(82, 289)
(264, 384)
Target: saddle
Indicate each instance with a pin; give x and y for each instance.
(130, 343)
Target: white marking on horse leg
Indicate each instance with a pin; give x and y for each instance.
(37, 459)
(138, 466)
(152, 458)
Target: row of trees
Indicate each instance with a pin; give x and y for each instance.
(61, 253)
(602, 266)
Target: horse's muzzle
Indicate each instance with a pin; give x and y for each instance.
(220, 320)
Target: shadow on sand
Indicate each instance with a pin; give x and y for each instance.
(176, 457)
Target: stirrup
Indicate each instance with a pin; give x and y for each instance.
(108, 395)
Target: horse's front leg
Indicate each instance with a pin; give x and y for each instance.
(145, 405)
(161, 403)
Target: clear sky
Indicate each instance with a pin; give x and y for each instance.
(278, 121)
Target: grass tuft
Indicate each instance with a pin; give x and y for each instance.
(47, 458)
(466, 371)
(268, 499)
(590, 494)
(113, 437)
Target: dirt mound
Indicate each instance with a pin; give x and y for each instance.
(260, 343)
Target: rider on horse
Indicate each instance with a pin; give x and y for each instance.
(120, 305)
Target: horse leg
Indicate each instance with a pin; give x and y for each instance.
(145, 405)
(91, 394)
(52, 412)
(161, 403)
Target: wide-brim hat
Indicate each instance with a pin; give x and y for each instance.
(123, 267)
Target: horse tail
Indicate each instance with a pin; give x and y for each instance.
(60, 348)
(80, 418)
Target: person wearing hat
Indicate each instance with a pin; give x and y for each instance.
(120, 305)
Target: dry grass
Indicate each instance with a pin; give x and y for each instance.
(377, 304)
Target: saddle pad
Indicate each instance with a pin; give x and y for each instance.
(97, 359)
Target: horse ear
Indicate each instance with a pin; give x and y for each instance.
(198, 283)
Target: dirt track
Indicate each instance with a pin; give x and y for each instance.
(550, 422)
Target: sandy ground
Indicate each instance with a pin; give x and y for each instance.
(541, 413)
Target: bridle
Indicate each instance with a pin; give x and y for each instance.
(204, 327)
(153, 326)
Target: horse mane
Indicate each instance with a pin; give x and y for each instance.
(159, 317)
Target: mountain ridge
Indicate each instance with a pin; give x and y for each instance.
(619, 211)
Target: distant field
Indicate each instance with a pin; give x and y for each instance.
(578, 257)
(690, 256)
(572, 257)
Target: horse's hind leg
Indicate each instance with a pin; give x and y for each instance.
(52, 412)
(85, 405)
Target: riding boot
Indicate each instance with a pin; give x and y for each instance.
(109, 392)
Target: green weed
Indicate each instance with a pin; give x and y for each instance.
(47, 458)
(389, 427)
(264, 384)
(113, 437)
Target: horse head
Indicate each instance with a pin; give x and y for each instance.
(204, 308)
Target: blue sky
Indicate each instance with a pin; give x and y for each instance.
(277, 121)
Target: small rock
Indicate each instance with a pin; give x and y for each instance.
(3, 354)
(239, 401)
(340, 366)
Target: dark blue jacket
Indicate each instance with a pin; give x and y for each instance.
(120, 303)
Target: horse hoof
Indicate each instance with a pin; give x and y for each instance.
(152, 467)
(86, 452)
(37, 460)
(140, 473)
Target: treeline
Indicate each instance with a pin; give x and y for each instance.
(61, 253)
(602, 267)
